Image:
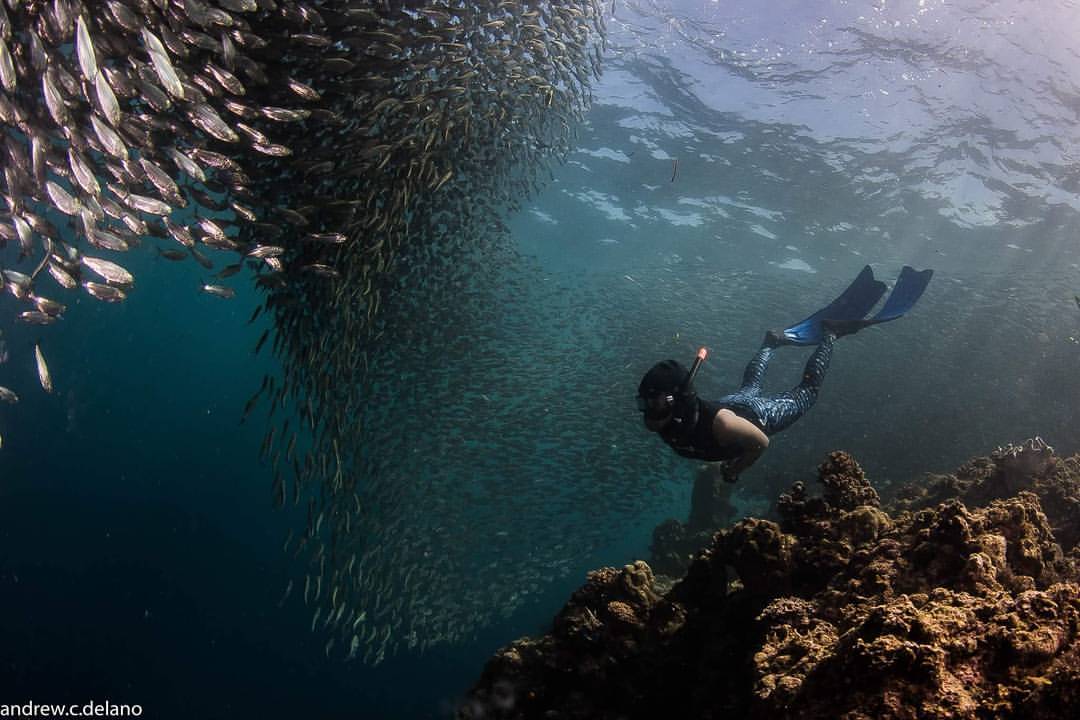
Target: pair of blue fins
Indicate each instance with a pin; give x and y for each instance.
(848, 313)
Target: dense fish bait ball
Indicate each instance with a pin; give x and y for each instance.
(356, 156)
(442, 134)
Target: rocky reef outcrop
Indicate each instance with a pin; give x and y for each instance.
(959, 598)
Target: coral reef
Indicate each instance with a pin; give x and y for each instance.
(674, 543)
(957, 600)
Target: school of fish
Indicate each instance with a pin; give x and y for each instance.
(352, 158)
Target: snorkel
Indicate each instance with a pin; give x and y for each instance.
(685, 408)
(688, 386)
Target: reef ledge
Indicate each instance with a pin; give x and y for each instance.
(958, 598)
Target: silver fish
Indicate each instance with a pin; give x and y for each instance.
(206, 119)
(62, 199)
(180, 233)
(164, 184)
(218, 291)
(154, 96)
(106, 100)
(159, 56)
(329, 238)
(8, 396)
(280, 114)
(272, 150)
(239, 5)
(83, 174)
(43, 370)
(288, 591)
(214, 159)
(107, 240)
(18, 284)
(186, 164)
(119, 82)
(8, 77)
(53, 100)
(110, 271)
(226, 79)
(108, 138)
(84, 50)
(243, 211)
(36, 317)
(39, 60)
(173, 42)
(304, 92)
(124, 16)
(216, 16)
(47, 306)
(25, 233)
(320, 269)
(145, 204)
(106, 293)
(228, 51)
(252, 134)
(213, 230)
(265, 251)
(38, 149)
(62, 276)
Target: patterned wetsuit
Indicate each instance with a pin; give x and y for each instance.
(773, 414)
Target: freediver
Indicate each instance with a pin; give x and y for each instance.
(735, 429)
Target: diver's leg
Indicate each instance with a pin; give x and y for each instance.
(784, 409)
(755, 369)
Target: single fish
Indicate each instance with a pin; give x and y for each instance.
(108, 138)
(62, 199)
(8, 78)
(218, 291)
(62, 276)
(106, 100)
(328, 238)
(288, 591)
(110, 271)
(265, 251)
(36, 317)
(84, 50)
(159, 56)
(186, 164)
(43, 370)
(105, 293)
(149, 205)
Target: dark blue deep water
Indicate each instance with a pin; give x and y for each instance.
(140, 555)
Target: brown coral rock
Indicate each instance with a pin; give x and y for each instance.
(843, 610)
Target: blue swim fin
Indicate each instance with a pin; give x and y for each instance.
(909, 287)
(853, 304)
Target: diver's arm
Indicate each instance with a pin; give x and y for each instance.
(729, 428)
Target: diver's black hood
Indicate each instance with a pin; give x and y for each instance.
(670, 378)
(663, 378)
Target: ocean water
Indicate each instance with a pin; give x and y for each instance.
(738, 168)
